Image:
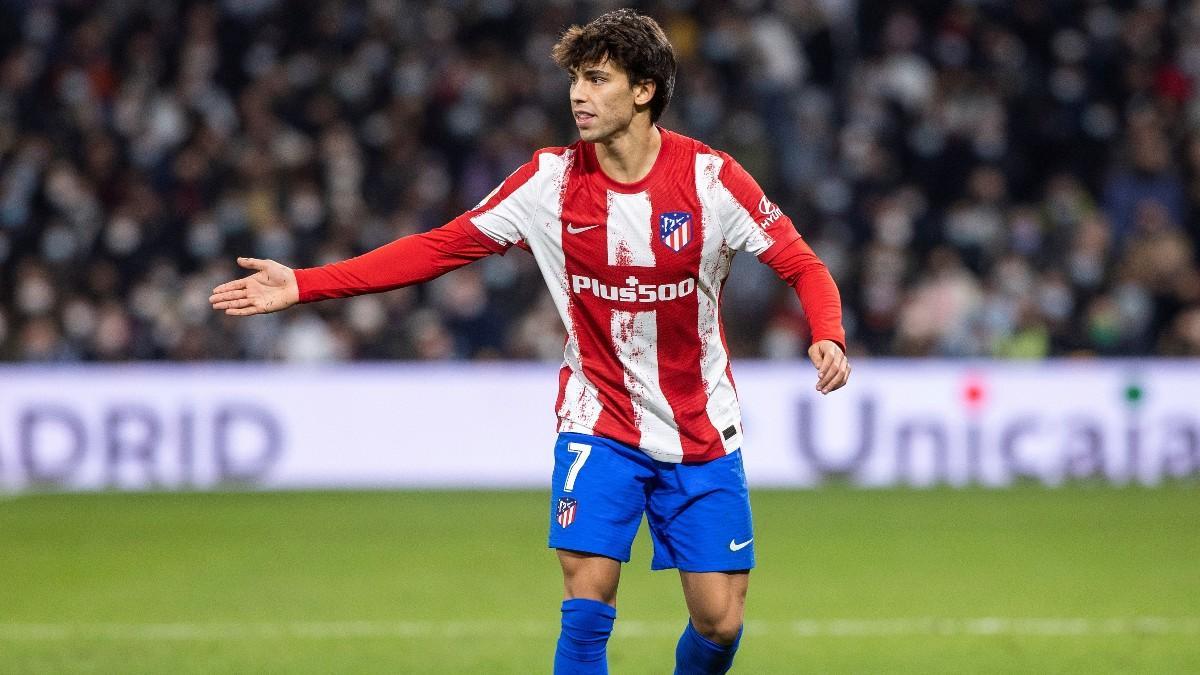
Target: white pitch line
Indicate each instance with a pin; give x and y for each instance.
(836, 628)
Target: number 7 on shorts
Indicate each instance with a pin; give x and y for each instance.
(581, 452)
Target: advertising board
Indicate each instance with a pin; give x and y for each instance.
(918, 423)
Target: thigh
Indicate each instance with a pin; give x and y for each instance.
(699, 516)
(715, 597)
(586, 575)
(598, 496)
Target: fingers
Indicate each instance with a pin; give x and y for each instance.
(233, 304)
(826, 374)
(833, 368)
(245, 296)
(226, 295)
(236, 284)
(828, 359)
(821, 358)
(241, 306)
(253, 263)
(238, 298)
(840, 375)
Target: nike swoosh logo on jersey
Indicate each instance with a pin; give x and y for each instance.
(734, 546)
(571, 229)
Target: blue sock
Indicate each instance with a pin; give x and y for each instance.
(586, 625)
(697, 655)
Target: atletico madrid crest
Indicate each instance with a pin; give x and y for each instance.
(565, 513)
(675, 228)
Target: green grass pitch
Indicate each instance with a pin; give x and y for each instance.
(1081, 579)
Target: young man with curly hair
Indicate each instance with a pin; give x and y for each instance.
(633, 227)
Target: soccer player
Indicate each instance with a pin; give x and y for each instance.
(633, 227)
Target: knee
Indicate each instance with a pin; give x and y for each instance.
(590, 591)
(722, 629)
(591, 579)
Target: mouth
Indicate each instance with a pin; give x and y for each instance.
(583, 118)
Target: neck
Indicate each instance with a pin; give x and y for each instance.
(629, 155)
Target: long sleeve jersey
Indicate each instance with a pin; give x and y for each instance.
(636, 272)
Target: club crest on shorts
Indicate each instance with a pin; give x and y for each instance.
(565, 513)
(675, 229)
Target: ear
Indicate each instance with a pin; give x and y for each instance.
(643, 92)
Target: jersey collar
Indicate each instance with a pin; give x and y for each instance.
(657, 172)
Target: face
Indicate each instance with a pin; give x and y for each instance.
(604, 102)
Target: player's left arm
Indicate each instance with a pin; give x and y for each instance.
(797, 264)
(753, 223)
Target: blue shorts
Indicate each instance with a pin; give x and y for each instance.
(699, 514)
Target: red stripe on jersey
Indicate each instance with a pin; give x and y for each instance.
(679, 372)
(564, 374)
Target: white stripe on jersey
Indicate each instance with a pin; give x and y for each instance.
(581, 406)
(635, 336)
(629, 229)
(738, 225)
(580, 403)
(722, 407)
(504, 221)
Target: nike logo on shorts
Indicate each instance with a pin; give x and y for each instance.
(734, 546)
(572, 229)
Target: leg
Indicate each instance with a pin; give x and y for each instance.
(589, 593)
(597, 500)
(700, 522)
(716, 602)
(589, 576)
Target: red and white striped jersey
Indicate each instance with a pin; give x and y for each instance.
(636, 272)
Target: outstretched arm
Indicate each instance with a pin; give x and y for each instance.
(410, 260)
(492, 226)
(404, 262)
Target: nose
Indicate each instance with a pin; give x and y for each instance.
(577, 92)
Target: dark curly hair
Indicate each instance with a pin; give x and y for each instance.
(633, 41)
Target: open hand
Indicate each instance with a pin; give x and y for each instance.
(833, 369)
(270, 289)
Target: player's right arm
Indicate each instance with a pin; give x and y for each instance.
(404, 262)
(491, 227)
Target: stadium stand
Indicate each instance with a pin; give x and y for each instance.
(1012, 179)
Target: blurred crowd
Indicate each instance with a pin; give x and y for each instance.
(1014, 179)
